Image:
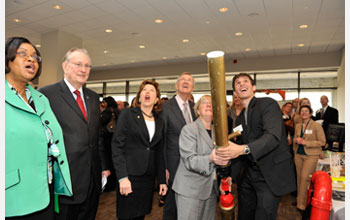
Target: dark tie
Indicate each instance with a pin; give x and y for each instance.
(80, 103)
(322, 112)
(186, 114)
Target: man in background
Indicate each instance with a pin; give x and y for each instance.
(177, 112)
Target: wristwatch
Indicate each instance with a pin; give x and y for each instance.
(246, 150)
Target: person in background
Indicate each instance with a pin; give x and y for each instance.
(295, 106)
(137, 150)
(77, 110)
(308, 141)
(288, 122)
(195, 183)
(126, 104)
(235, 109)
(133, 103)
(296, 118)
(120, 105)
(177, 112)
(109, 118)
(327, 114)
(36, 166)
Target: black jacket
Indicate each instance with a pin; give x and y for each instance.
(81, 138)
(132, 152)
(265, 135)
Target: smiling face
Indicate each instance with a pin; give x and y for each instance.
(243, 88)
(305, 113)
(184, 85)
(288, 108)
(77, 69)
(205, 109)
(24, 68)
(148, 96)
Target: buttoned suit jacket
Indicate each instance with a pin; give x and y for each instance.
(133, 153)
(266, 138)
(195, 175)
(331, 116)
(81, 138)
(173, 122)
(314, 138)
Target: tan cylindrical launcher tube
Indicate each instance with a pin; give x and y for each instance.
(216, 69)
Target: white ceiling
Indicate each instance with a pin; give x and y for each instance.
(269, 27)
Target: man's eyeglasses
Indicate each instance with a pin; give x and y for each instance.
(80, 66)
(24, 54)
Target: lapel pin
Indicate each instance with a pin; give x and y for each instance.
(138, 116)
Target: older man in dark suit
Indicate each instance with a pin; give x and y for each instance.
(177, 112)
(327, 114)
(268, 164)
(77, 110)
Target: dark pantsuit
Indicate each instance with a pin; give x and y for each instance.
(256, 200)
(170, 204)
(84, 211)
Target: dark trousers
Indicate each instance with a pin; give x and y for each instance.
(170, 210)
(45, 214)
(256, 200)
(137, 218)
(84, 211)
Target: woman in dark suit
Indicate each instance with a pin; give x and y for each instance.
(308, 141)
(137, 149)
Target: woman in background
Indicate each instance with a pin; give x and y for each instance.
(36, 166)
(308, 141)
(137, 148)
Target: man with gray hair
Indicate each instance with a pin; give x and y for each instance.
(176, 113)
(77, 110)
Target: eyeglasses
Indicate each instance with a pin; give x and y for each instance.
(80, 66)
(24, 54)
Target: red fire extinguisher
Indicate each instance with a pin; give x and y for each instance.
(321, 201)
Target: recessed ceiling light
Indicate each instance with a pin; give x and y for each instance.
(106, 51)
(104, 64)
(158, 21)
(164, 58)
(133, 61)
(185, 41)
(142, 46)
(207, 22)
(108, 31)
(239, 34)
(247, 49)
(17, 20)
(58, 7)
(37, 45)
(223, 10)
(300, 45)
(202, 54)
(303, 26)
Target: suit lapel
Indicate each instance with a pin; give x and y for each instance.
(141, 124)
(14, 100)
(192, 110)
(204, 133)
(68, 97)
(177, 111)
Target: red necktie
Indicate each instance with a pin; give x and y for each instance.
(80, 103)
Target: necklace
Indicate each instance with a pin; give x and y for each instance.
(150, 116)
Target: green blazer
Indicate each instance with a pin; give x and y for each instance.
(26, 155)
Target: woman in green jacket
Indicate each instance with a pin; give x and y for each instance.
(36, 167)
